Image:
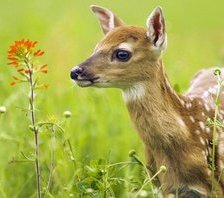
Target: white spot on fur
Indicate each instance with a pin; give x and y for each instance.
(133, 93)
(204, 155)
(182, 102)
(213, 90)
(180, 122)
(126, 46)
(207, 107)
(202, 141)
(202, 114)
(222, 112)
(208, 130)
(202, 125)
(209, 151)
(221, 164)
(209, 172)
(188, 105)
(205, 94)
(192, 119)
(197, 132)
(221, 144)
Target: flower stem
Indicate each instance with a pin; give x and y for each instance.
(215, 125)
(35, 130)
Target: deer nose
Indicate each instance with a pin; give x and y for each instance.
(76, 72)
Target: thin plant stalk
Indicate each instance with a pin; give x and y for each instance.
(52, 165)
(214, 139)
(35, 131)
(149, 180)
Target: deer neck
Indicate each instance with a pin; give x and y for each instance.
(154, 109)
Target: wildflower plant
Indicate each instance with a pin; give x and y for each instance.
(217, 124)
(23, 56)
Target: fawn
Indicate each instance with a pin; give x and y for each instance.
(171, 126)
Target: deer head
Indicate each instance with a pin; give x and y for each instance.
(126, 55)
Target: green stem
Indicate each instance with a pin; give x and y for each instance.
(214, 138)
(35, 130)
(52, 165)
(149, 180)
(122, 163)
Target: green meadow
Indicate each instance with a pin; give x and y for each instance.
(99, 132)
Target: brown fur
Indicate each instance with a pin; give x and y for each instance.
(171, 126)
(168, 144)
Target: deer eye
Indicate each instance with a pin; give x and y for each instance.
(122, 55)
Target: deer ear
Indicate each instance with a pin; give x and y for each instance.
(156, 29)
(107, 19)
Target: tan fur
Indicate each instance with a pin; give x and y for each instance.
(177, 147)
(171, 126)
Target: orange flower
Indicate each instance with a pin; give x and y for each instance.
(21, 48)
(28, 71)
(16, 64)
(38, 53)
(22, 55)
(13, 83)
(43, 86)
(15, 78)
(43, 69)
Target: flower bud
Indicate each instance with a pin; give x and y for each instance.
(89, 190)
(2, 109)
(31, 127)
(132, 153)
(65, 188)
(163, 169)
(217, 72)
(67, 114)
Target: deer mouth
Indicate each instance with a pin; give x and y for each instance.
(86, 82)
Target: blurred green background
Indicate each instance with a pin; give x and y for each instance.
(68, 32)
